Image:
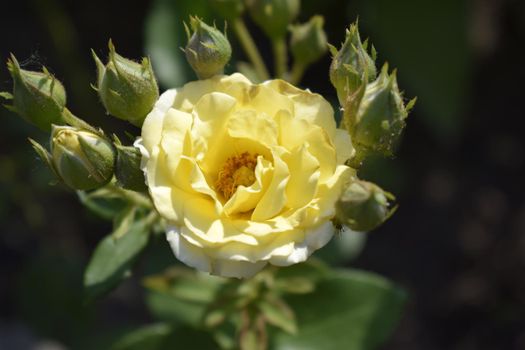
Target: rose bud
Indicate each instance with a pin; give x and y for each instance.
(308, 41)
(128, 90)
(351, 65)
(380, 117)
(208, 50)
(273, 16)
(38, 97)
(363, 206)
(82, 159)
(228, 9)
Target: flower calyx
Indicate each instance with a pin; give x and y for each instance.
(127, 168)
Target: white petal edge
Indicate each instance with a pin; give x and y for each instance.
(315, 239)
(195, 257)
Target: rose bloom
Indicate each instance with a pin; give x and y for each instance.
(244, 174)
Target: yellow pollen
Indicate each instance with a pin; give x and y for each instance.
(236, 171)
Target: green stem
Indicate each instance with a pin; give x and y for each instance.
(131, 196)
(151, 218)
(297, 73)
(280, 56)
(75, 121)
(250, 48)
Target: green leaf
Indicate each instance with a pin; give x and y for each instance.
(163, 336)
(165, 36)
(112, 260)
(6, 95)
(278, 314)
(181, 295)
(351, 310)
(102, 203)
(123, 221)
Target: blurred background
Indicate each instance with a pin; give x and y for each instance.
(457, 242)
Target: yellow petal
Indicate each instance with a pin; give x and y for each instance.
(304, 175)
(186, 252)
(274, 198)
(211, 141)
(152, 126)
(246, 198)
(236, 85)
(308, 106)
(343, 146)
(253, 126)
(265, 99)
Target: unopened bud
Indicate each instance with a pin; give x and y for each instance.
(127, 169)
(274, 16)
(228, 9)
(352, 66)
(363, 206)
(128, 90)
(380, 117)
(82, 159)
(37, 96)
(208, 50)
(308, 41)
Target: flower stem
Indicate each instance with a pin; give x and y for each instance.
(280, 56)
(297, 73)
(75, 121)
(131, 196)
(250, 48)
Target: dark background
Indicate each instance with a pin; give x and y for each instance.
(457, 243)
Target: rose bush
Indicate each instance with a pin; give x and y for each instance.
(244, 174)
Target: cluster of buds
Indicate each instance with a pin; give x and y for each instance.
(374, 112)
(81, 156)
(374, 115)
(276, 19)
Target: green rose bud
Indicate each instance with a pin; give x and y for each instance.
(128, 90)
(82, 159)
(37, 96)
(273, 16)
(351, 66)
(363, 206)
(308, 41)
(380, 116)
(228, 9)
(127, 169)
(208, 50)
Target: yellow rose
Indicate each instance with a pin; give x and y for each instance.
(244, 174)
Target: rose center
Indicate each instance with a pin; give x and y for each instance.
(236, 171)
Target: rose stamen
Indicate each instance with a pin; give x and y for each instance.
(236, 171)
